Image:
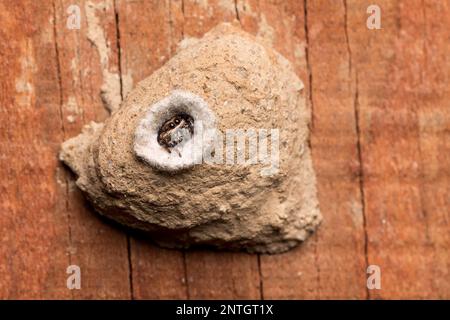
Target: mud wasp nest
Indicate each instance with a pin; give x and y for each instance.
(210, 150)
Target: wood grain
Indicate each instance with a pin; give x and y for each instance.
(399, 78)
(98, 248)
(380, 139)
(33, 221)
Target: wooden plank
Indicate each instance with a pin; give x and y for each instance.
(434, 133)
(149, 31)
(33, 219)
(400, 90)
(380, 96)
(157, 273)
(341, 256)
(201, 16)
(331, 264)
(222, 275)
(88, 63)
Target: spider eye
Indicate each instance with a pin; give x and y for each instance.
(177, 121)
(172, 125)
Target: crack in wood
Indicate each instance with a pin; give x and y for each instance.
(308, 65)
(236, 11)
(63, 129)
(186, 276)
(119, 62)
(310, 100)
(261, 283)
(119, 51)
(358, 141)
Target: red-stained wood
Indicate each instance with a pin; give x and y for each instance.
(434, 135)
(157, 273)
(332, 263)
(99, 249)
(340, 246)
(33, 218)
(379, 139)
(227, 275)
(402, 93)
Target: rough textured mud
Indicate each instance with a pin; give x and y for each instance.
(246, 85)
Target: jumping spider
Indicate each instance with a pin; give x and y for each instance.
(175, 130)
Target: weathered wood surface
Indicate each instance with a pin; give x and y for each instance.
(380, 143)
